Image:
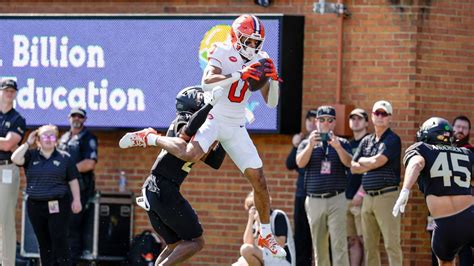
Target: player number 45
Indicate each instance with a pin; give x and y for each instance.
(441, 168)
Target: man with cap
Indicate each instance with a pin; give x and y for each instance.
(326, 159)
(82, 145)
(378, 159)
(462, 128)
(12, 130)
(302, 236)
(358, 123)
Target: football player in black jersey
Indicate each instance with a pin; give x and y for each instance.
(444, 173)
(169, 212)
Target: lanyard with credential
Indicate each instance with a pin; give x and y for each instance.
(325, 147)
(326, 164)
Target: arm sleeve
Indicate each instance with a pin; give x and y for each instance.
(281, 228)
(393, 148)
(291, 160)
(71, 170)
(410, 152)
(196, 120)
(216, 157)
(215, 56)
(89, 148)
(26, 163)
(19, 127)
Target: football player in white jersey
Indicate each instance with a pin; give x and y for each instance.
(230, 65)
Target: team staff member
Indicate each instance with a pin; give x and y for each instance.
(82, 145)
(358, 123)
(12, 130)
(378, 158)
(444, 173)
(49, 176)
(326, 159)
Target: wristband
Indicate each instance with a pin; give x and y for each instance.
(360, 193)
(151, 139)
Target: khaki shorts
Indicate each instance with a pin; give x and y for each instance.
(354, 221)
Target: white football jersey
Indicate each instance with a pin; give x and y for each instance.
(231, 106)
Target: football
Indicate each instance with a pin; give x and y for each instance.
(255, 85)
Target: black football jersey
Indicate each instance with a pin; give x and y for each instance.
(447, 169)
(171, 167)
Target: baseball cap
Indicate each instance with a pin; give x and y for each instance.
(79, 111)
(383, 105)
(360, 113)
(326, 110)
(312, 113)
(9, 83)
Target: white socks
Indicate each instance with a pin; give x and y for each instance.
(265, 230)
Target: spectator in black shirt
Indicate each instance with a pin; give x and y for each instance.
(12, 130)
(358, 122)
(50, 174)
(304, 253)
(378, 159)
(82, 145)
(326, 158)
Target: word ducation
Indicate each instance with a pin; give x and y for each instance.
(92, 97)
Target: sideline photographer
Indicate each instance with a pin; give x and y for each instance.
(326, 159)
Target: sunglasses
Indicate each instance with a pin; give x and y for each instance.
(326, 119)
(355, 117)
(379, 113)
(77, 116)
(51, 138)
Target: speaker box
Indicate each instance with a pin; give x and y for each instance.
(109, 230)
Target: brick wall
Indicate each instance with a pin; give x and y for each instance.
(418, 54)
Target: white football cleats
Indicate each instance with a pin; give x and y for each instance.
(136, 139)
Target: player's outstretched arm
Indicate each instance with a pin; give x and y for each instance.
(199, 117)
(413, 170)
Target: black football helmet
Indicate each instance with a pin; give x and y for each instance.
(190, 99)
(435, 130)
(181, 120)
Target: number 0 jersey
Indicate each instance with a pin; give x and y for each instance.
(447, 169)
(231, 106)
